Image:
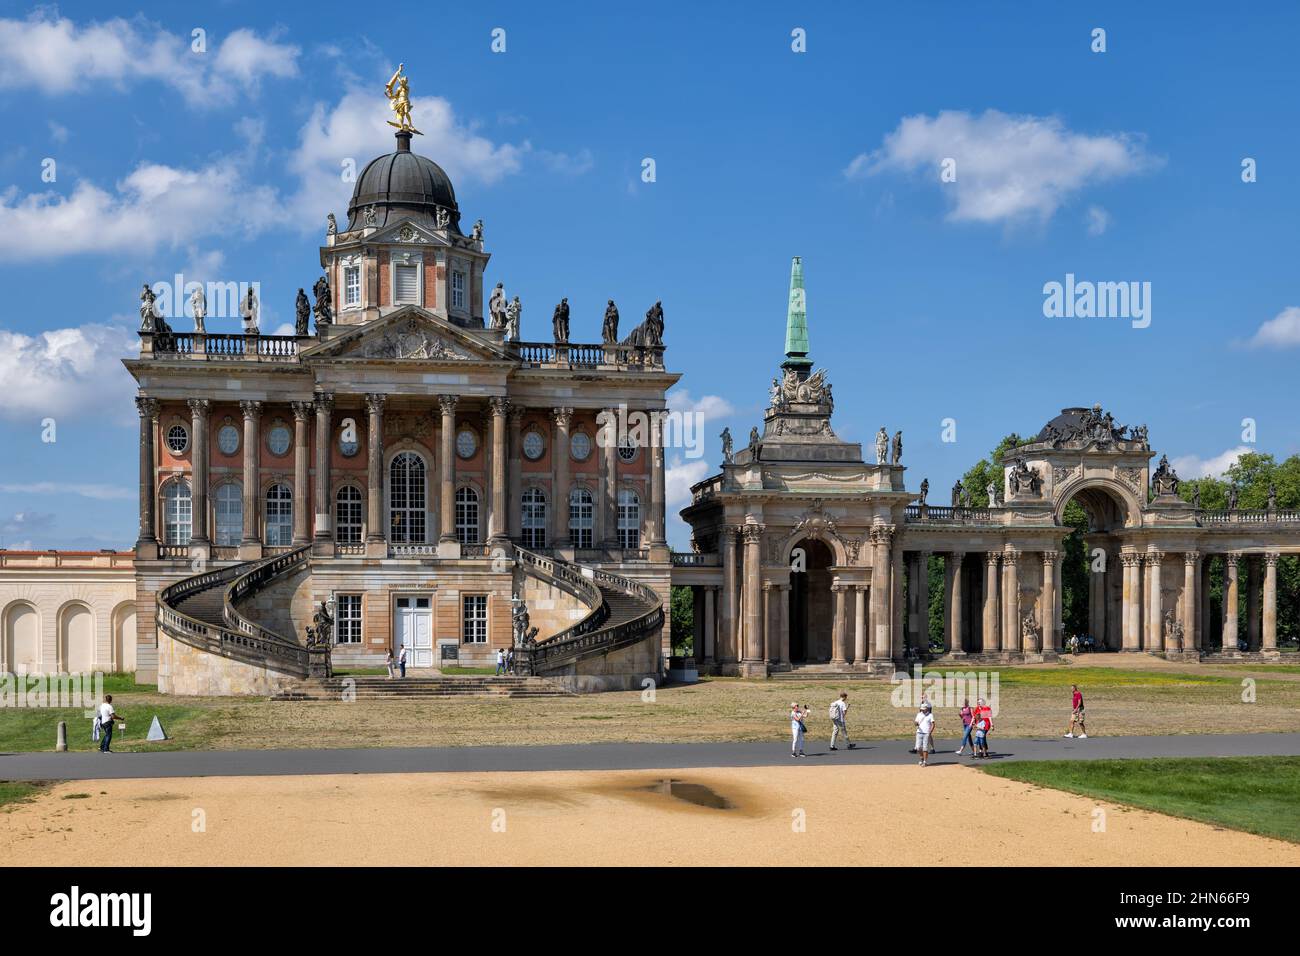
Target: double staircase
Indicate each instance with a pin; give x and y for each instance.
(204, 611)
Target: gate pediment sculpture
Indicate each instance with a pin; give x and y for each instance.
(1024, 481)
(1164, 482)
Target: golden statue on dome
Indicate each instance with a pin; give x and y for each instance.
(399, 99)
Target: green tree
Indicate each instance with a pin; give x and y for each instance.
(682, 620)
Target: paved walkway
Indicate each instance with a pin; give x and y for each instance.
(240, 763)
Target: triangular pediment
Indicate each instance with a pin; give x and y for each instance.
(408, 334)
(407, 232)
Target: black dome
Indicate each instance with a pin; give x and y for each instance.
(402, 184)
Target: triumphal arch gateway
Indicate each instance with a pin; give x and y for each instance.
(807, 553)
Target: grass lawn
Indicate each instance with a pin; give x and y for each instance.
(462, 671)
(1256, 794)
(13, 793)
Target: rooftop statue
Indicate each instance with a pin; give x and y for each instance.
(882, 445)
(199, 307)
(497, 307)
(726, 446)
(560, 322)
(249, 310)
(331, 225)
(324, 309)
(1165, 479)
(609, 330)
(896, 454)
(301, 313)
(512, 319)
(651, 331)
(398, 91)
(477, 234)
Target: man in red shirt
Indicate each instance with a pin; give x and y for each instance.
(1076, 713)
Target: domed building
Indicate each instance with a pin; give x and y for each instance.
(410, 476)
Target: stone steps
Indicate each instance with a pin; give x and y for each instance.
(421, 688)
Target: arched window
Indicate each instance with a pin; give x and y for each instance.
(177, 512)
(534, 518)
(279, 516)
(581, 518)
(229, 507)
(629, 519)
(347, 515)
(406, 502)
(467, 516)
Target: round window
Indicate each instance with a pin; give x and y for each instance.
(580, 445)
(279, 439)
(466, 443)
(228, 439)
(178, 439)
(348, 443)
(534, 445)
(627, 451)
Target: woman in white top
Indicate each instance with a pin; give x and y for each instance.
(797, 729)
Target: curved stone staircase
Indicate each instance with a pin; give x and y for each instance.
(202, 611)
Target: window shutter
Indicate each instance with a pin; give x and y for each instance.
(408, 283)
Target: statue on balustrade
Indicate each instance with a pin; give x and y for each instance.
(560, 323)
(882, 445)
(249, 309)
(992, 491)
(896, 454)
(1232, 497)
(1272, 496)
(1196, 497)
(331, 225)
(497, 306)
(1165, 479)
(957, 492)
(324, 309)
(148, 309)
(320, 641)
(753, 443)
(925, 490)
(1023, 479)
(477, 233)
(726, 446)
(199, 308)
(609, 330)
(512, 319)
(301, 313)
(650, 333)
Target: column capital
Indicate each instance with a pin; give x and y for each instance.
(251, 409)
(1154, 557)
(1191, 557)
(1130, 559)
(324, 401)
(1049, 557)
(882, 533)
(753, 533)
(147, 407)
(991, 558)
(375, 402)
(1232, 557)
(563, 416)
(1010, 555)
(515, 413)
(1270, 558)
(498, 405)
(957, 557)
(199, 407)
(302, 411)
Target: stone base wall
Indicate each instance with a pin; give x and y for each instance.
(626, 669)
(189, 672)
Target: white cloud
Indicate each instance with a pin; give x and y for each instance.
(1007, 167)
(64, 372)
(1281, 331)
(58, 132)
(1098, 220)
(56, 56)
(709, 407)
(678, 478)
(97, 492)
(356, 129)
(1190, 466)
(568, 164)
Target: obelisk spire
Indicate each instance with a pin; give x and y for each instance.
(796, 323)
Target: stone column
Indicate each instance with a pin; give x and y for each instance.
(560, 476)
(147, 543)
(1269, 644)
(609, 476)
(859, 624)
(754, 663)
(376, 525)
(447, 470)
(882, 536)
(769, 635)
(1188, 605)
(898, 617)
(1011, 601)
(726, 650)
(324, 531)
(497, 521)
(251, 544)
(1230, 601)
(839, 639)
(953, 625)
(1047, 613)
(710, 623)
(657, 509)
(992, 618)
(302, 412)
(1132, 634)
(1254, 599)
(515, 480)
(199, 476)
(783, 627)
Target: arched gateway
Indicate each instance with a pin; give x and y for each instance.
(862, 597)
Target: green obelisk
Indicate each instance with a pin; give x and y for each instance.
(796, 323)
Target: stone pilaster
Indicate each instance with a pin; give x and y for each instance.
(1269, 644)
(658, 542)
(497, 520)
(560, 476)
(324, 530)
(376, 523)
(882, 536)
(146, 547)
(754, 664)
(250, 546)
(1230, 595)
(1191, 601)
(302, 413)
(608, 479)
(726, 651)
(199, 539)
(447, 475)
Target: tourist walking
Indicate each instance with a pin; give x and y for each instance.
(501, 662)
(797, 729)
(839, 712)
(983, 727)
(1076, 713)
(106, 718)
(389, 664)
(968, 726)
(401, 660)
(924, 728)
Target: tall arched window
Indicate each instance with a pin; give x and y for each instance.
(279, 516)
(406, 501)
(534, 518)
(629, 519)
(581, 518)
(467, 516)
(347, 515)
(177, 512)
(229, 507)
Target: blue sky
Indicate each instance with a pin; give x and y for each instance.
(925, 298)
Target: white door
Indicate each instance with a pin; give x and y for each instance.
(414, 630)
